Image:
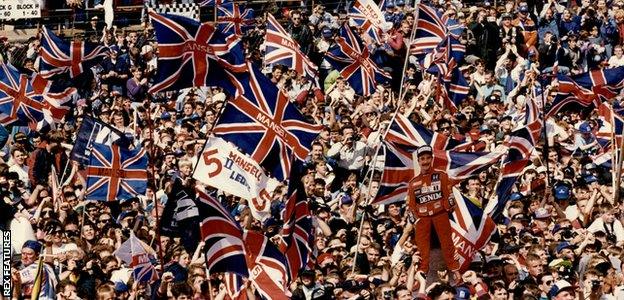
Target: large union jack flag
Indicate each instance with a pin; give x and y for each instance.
(243, 254)
(58, 95)
(115, 173)
(297, 235)
(264, 124)
(192, 54)
(353, 60)
(432, 29)
(19, 103)
(58, 56)
(223, 237)
(232, 21)
(282, 49)
(471, 229)
(403, 138)
(367, 16)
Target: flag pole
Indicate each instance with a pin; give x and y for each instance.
(545, 132)
(383, 135)
(616, 189)
(150, 125)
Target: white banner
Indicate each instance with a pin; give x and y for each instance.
(20, 9)
(222, 166)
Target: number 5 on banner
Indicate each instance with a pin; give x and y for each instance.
(209, 160)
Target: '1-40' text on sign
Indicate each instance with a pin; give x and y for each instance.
(20, 9)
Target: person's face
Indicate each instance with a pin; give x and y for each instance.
(296, 19)
(184, 259)
(186, 170)
(609, 217)
(546, 284)
(424, 161)
(103, 220)
(566, 14)
(19, 157)
(88, 233)
(403, 295)
(501, 294)
(489, 79)
(118, 120)
(111, 266)
(535, 268)
(317, 151)
(28, 256)
(57, 235)
(188, 109)
(394, 210)
(474, 185)
(511, 273)
(445, 129)
(373, 255)
(618, 52)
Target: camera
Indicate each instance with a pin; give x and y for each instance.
(387, 294)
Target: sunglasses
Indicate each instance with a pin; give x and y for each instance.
(104, 220)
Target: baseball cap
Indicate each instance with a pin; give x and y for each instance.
(516, 196)
(564, 245)
(542, 213)
(562, 192)
(541, 169)
(423, 150)
(523, 9)
(506, 16)
(560, 286)
(590, 178)
(462, 293)
(390, 4)
(494, 98)
(585, 128)
(400, 3)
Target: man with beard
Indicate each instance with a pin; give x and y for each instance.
(42, 159)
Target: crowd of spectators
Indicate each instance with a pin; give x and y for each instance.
(560, 236)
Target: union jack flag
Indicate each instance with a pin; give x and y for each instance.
(192, 54)
(235, 286)
(282, 49)
(367, 16)
(403, 138)
(445, 57)
(230, 250)
(520, 145)
(57, 95)
(58, 56)
(19, 103)
(140, 257)
(297, 235)
(432, 29)
(605, 83)
(264, 124)
(222, 236)
(267, 266)
(567, 102)
(354, 62)
(231, 21)
(115, 173)
(461, 165)
(471, 229)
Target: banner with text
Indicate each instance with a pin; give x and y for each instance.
(20, 9)
(222, 166)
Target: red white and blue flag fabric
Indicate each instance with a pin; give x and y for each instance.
(282, 49)
(366, 16)
(140, 257)
(234, 19)
(247, 254)
(235, 286)
(403, 138)
(58, 96)
(58, 56)
(115, 173)
(297, 235)
(612, 127)
(192, 54)
(267, 266)
(225, 250)
(19, 103)
(520, 145)
(353, 60)
(431, 29)
(605, 83)
(471, 229)
(264, 124)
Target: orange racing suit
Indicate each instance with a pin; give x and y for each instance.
(429, 198)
